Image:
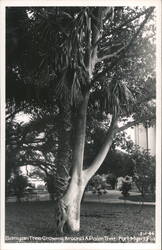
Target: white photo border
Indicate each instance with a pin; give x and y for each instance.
(80, 246)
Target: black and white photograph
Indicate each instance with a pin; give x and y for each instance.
(80, 125)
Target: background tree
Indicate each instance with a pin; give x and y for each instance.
(144, 170)
(18, 184)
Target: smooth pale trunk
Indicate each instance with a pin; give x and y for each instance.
(73, 201)
(75, 191)
(69, 206)
(98, 160)
(72, 198)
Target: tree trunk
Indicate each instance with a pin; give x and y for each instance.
(68, 207)
(79, 136)
(64, 148)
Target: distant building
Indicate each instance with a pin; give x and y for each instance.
(144, 137)
(37, 182)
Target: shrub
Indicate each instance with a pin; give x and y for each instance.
(126, 185)
(98, 184)
(144, 170)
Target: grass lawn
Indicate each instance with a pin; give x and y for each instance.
(139, 198)
(99, 223)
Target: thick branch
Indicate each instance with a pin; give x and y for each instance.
(97, 24)
(96, 29)
(89, 172)
(34, 141)
(114, 54)
(128, 125)
(127, 47)
(122, 25)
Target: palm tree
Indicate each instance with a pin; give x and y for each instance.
(83, 51)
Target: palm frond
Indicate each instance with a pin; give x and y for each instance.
(115, 98)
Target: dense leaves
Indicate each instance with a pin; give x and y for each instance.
(52, 46)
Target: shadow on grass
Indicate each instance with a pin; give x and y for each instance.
(36, 222)
(139, 198)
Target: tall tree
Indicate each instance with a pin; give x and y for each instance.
(84, 57)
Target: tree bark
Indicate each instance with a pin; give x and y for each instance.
(68, 216)
(63, 164)
(68, 207)
(79, 136)
(64, 148)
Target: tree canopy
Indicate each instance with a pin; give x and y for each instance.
(47, 50)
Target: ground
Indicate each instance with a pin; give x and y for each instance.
(100, 222)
